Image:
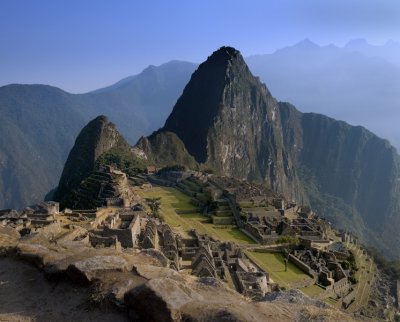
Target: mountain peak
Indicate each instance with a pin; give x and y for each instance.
(100, 119)
(217, 83)
(225, 52)
(224, 57)
(307, 44)
(97, 137)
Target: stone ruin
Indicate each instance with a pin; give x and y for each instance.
(41, 217)
(227, 262)
(325, 268)
(122, 227)
(160, 236)
(107, 186)
(266, 226)
(149, 237)
(169, 246)
(203, 263)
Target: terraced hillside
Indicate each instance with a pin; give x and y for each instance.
(180, 213)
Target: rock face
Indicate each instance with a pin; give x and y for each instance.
(85, 270)
(229, 122)
(349, 174)
(160, 299)
(96, 138)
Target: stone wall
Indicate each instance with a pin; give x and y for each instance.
(49, 231)
(111, 241)
(349, 298)
(303, 266)
(128, 237)
(75, 232)
(222, 220)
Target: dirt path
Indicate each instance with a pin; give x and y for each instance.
(25, 295)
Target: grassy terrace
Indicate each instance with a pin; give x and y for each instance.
(173, 201)
(274, 264)
(312, 290)
(364, 275)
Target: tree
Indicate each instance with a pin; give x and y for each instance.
(154, 204)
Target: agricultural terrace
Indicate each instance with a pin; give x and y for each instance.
(274, 264)
(182, 216)
(313, 290)
(364, 275)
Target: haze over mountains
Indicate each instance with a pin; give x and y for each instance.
(40, 123)
(357, 83)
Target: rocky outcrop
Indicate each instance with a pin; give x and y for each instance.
(84, 271)
(160, 300)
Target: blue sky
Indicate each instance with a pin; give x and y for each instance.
(87, 44)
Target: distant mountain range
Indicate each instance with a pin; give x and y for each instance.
(40, 123)
(357, 83)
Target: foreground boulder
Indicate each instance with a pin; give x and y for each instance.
(160, 300)
(86, 270)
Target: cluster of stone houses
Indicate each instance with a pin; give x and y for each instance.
(267, 217)
(122, 222)
(42, 216)
(122, 227)
(160, 236)
(327, 271)
(266, 224)
(226, 261)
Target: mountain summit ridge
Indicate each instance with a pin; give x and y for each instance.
(228, 120)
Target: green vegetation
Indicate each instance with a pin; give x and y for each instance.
(363, 276)
(292, 240)
(331, 301)
(172, 168)
(392, 268)
(123, 159)
(352, 262)
(154, 204)
(353, 280)
(166, 150)
(173, 201)
(312, 290)
(274, 264)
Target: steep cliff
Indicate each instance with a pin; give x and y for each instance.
(96, 138)
(228, 121)
(350, 175)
